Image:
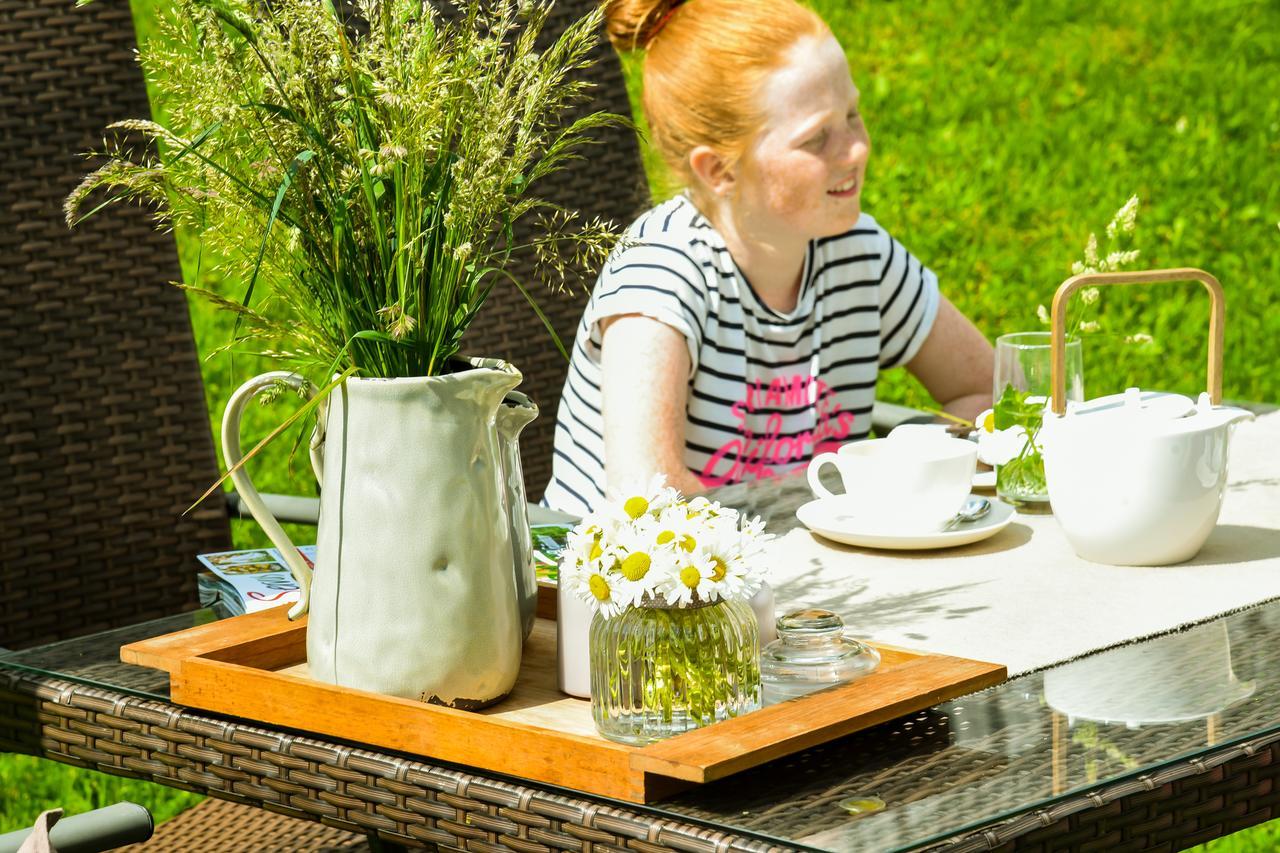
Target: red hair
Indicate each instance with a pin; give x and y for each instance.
(705, 64)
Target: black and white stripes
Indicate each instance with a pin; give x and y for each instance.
(767, 390)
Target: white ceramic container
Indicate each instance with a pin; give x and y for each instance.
(910, 481)
(414, 591)
(1137, 479)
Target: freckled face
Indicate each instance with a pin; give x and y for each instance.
(801, 178)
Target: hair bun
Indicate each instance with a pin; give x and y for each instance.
(632, 24)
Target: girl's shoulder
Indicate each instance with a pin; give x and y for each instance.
(676, 223)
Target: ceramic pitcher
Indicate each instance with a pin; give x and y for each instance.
(413, 592)
(516, 413)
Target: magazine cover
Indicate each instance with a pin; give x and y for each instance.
(240, 582)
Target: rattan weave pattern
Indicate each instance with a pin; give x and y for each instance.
(609, 183)
(399, 799)
(240, 828)
(408, 801)
(1176, 807)
(104, 435)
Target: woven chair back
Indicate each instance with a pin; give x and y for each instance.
(610, 183)
(104, 434)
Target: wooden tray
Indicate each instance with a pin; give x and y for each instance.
(254, 666)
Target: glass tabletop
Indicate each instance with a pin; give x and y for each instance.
(930, 775)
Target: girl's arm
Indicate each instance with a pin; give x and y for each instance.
(645, 373)
(956, 363)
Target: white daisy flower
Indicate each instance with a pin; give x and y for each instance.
(641, 561)
(677, 531)
(602, 589)
(639, 498)
(998, 446)
(693, 580)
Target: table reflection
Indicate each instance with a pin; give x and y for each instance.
(1179, 678)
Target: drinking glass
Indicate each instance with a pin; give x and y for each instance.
(1023, 360)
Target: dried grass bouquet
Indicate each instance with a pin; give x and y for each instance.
(361, 177)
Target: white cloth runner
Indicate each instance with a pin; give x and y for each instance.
(1024, 599)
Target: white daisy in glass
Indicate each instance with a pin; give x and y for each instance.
(586, 543)
(648, 544)
(999, 446)
(732, 576)
(753, 529)
(606, 590)
(641, 498)
(701, 506)
(641, 561)
(678, 531)
(692, 581)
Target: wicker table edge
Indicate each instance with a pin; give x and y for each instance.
(399, 799)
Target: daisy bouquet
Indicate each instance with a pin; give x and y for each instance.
(652, 548)
(674, 644)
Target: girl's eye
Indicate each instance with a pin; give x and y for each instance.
(854, 116)
(817, 141)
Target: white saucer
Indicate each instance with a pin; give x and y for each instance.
(984, 480)
(828, 518)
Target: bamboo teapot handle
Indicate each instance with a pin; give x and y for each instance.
(1058, 319)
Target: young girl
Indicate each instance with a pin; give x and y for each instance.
(738, 329)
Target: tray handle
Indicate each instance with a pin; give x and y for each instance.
(1058, 318)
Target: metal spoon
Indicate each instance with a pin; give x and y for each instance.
(974, 508)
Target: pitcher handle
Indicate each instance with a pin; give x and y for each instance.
(244, 485)
(1058, 320)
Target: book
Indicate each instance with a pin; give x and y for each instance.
(549, 541)
(239, 582)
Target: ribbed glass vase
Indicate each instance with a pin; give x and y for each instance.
(657, 671)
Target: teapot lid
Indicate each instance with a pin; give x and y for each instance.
(1149, 406)
(1151, 413)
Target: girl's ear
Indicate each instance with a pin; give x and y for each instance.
(712, 170)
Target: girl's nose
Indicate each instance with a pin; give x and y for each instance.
(855, 150)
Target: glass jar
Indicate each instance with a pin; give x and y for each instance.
(812, 653)
(657, 671)
(1023, 364)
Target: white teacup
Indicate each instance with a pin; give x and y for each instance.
(912, 481)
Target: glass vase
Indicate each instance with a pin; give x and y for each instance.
(657, 671)
(1023, 362)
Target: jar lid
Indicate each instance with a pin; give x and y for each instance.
(809, 622)
(814, 637)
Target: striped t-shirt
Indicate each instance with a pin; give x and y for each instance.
(767, 391)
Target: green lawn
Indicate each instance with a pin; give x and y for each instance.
(1003, 134)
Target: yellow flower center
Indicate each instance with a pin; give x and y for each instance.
(989, 422)
(635, 566)
(688, 543)
(665, 536)
(596, 550)
(599, 587)
(690, 576)
(635, 507)
(718, 573)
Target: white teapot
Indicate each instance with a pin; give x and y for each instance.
(1137, 479)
